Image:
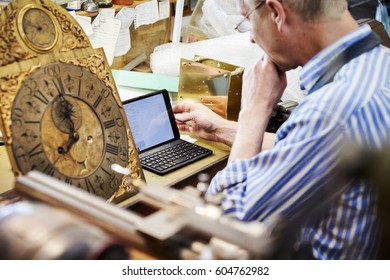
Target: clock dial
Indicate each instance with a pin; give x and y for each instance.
(67, 123)
(78, 151)
(37, 28)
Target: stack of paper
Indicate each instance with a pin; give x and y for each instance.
(112, 32)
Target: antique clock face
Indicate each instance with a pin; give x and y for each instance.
(37, 28)
(67, 123)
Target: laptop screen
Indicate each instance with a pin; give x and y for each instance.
(151, 119)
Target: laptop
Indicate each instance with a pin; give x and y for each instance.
(157, 136)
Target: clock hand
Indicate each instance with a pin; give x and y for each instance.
(73, 137)
(67, 113)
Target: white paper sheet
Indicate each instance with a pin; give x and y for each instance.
(146, 13)
(164, 9)
(123, 45)
(84, 21)
(105, 35)
(109, 13)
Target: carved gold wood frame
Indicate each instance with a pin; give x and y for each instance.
(91, 59)
(13, 47)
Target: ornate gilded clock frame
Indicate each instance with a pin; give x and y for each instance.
(18, 60)
(13, 45)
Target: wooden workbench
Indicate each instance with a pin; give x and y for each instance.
(178, 179)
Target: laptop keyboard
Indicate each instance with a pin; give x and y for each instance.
(174, 157)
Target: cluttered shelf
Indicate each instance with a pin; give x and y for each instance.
(146, 38)
(143, 25)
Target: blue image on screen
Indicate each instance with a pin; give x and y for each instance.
(149, 121)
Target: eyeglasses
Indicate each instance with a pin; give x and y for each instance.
(244, 28)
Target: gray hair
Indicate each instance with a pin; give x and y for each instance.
(317, 9)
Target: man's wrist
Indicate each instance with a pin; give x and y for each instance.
(226, 132)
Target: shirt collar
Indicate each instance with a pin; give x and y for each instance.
(316, 66)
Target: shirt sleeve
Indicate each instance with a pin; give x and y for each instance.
(287, 178)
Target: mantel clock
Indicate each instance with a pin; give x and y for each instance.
(60, 110)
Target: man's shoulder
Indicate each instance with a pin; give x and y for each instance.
(371, 68)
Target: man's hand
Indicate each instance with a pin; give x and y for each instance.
(204, 123)
(262, 88)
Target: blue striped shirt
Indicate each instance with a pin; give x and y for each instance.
(296, 174)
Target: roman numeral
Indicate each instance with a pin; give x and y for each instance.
(20, 155)
(41, 97)
(97, 102)
(35, 151)
(32, 122)
(79, 90)
(89, 185)
(105, 92)
(109, 124)
(112, 149)
(68, 181)
(59, 86)
(107, 172)
(49, 169)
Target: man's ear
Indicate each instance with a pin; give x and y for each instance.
(278, 13)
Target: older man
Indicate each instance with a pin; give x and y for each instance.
(347, 74)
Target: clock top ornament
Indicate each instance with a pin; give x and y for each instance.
(60, 111)
(29, 28)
